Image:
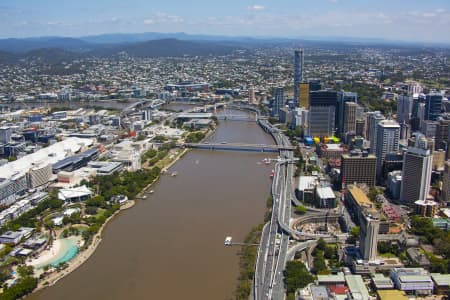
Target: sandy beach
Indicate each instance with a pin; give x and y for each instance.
(46, 255)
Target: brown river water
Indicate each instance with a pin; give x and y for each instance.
(171, 245)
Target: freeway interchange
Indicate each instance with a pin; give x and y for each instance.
(273, 250)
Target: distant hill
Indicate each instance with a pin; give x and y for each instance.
(166, 48)
(105, 42)
(28, 44)
(155, 48)
(52, 55)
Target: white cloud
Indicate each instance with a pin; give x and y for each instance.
(162, 17)
(256, 7)
(429, 15)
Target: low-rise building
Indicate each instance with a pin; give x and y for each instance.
(418, 257)
(441, 283)
(357, 288)
(412, 280)
(381, 282)
(104, 168)
(306, 187)
(331, 150)
(325, 197)
(75, 194)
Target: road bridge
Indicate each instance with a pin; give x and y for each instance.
(238, 147)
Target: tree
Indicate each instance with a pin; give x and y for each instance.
(355, 231)
(321, 244)
(301, 210)
(373, 193)
(24, 271)
(296, 276)
(330, 252)
(319, 263)
(91, 210)
(140, 137)
(22, 287)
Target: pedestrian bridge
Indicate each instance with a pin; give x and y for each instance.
(238, 147)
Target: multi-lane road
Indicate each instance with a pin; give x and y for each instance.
(273, 249)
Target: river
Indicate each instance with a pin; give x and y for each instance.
(171, 245)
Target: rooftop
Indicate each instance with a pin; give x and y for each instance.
(441, 279)
(356, 285)
(359, 196)
(50, 154)
(391, 295)
(325, 192)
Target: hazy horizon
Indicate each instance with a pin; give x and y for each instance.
(408, 21)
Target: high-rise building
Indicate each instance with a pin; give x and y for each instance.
(373, 118)
(321, 121)
(303, 95)
(251, 95)
(314, 84)
(5, 135)
(416, 174)
(360, 127)
(349, 119)
(298, 73)
(368, 238)
(441, 136)
(322, 112)
(278, 101)
(428, 128)
(342, 99)
(358, 167)
(425, 208)
(433, 103)
(405, 131)
(387, 141)
(404, 109)
(323, 98)
(446, 182)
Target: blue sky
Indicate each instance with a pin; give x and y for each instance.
(408, 20)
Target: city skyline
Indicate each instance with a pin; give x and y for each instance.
(414, 21)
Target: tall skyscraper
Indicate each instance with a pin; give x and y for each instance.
(314, 84)
(446, 182)
(387, 141)
(343, 97)
(298, 73)
(322, 112)
(251, 95)
(360, 128)
(373, 118)
(433, 103)
(441, 135)
(368, 238)
(404, 109)
(349, 119)
(321, 120)
(303, 95)
(416, 174)
(278, 101)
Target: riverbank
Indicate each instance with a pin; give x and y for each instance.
(81, 257)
